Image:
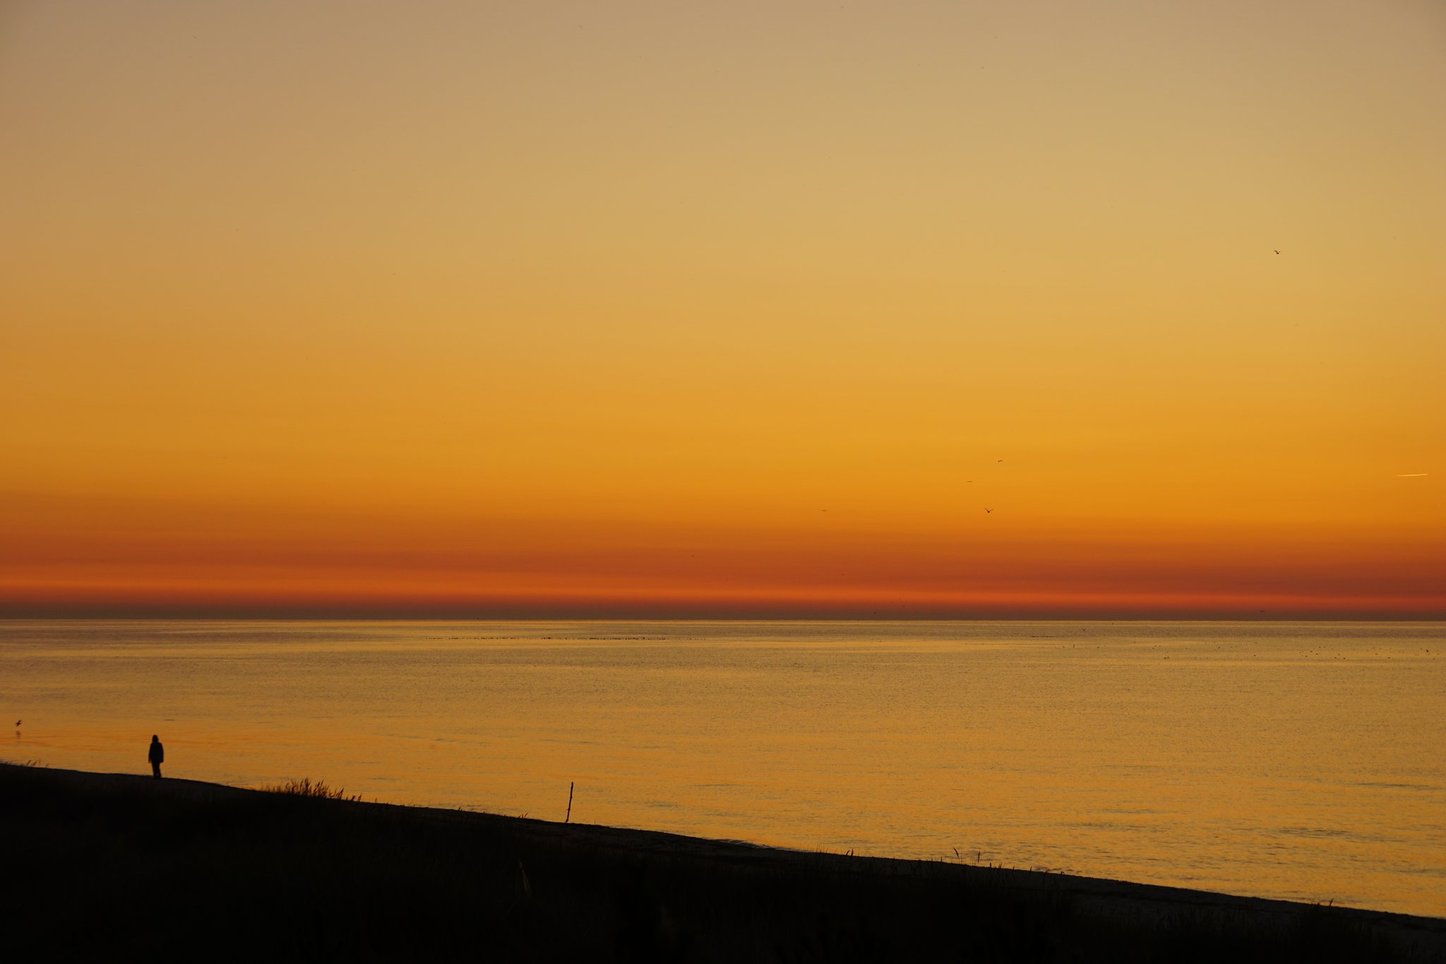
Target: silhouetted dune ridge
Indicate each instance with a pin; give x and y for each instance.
(120, 867)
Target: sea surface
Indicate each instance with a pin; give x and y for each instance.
(1304, 760)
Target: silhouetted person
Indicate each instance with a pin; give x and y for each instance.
(157, 756)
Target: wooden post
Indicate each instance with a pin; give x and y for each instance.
(570, 785)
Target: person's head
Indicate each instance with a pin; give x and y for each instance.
(155, 739)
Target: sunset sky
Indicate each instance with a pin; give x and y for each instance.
(753, 308)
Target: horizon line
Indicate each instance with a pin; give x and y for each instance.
(714, 616)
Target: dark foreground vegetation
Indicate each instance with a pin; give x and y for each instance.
(119, 868)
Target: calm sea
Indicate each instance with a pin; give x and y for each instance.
(1293, 760)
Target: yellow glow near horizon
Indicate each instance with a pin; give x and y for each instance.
(541, 308)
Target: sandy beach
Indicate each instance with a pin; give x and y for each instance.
(128, 867)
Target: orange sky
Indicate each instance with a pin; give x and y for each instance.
(751, 308)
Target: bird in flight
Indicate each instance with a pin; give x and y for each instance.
(988, 510)
(1276, 250)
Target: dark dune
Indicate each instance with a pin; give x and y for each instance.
(118, 867)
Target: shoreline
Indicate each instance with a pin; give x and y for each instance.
(710, 895)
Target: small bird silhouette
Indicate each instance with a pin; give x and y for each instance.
(988, 510)
(1276, 250)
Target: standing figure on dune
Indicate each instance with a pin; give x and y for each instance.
(157, 756)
